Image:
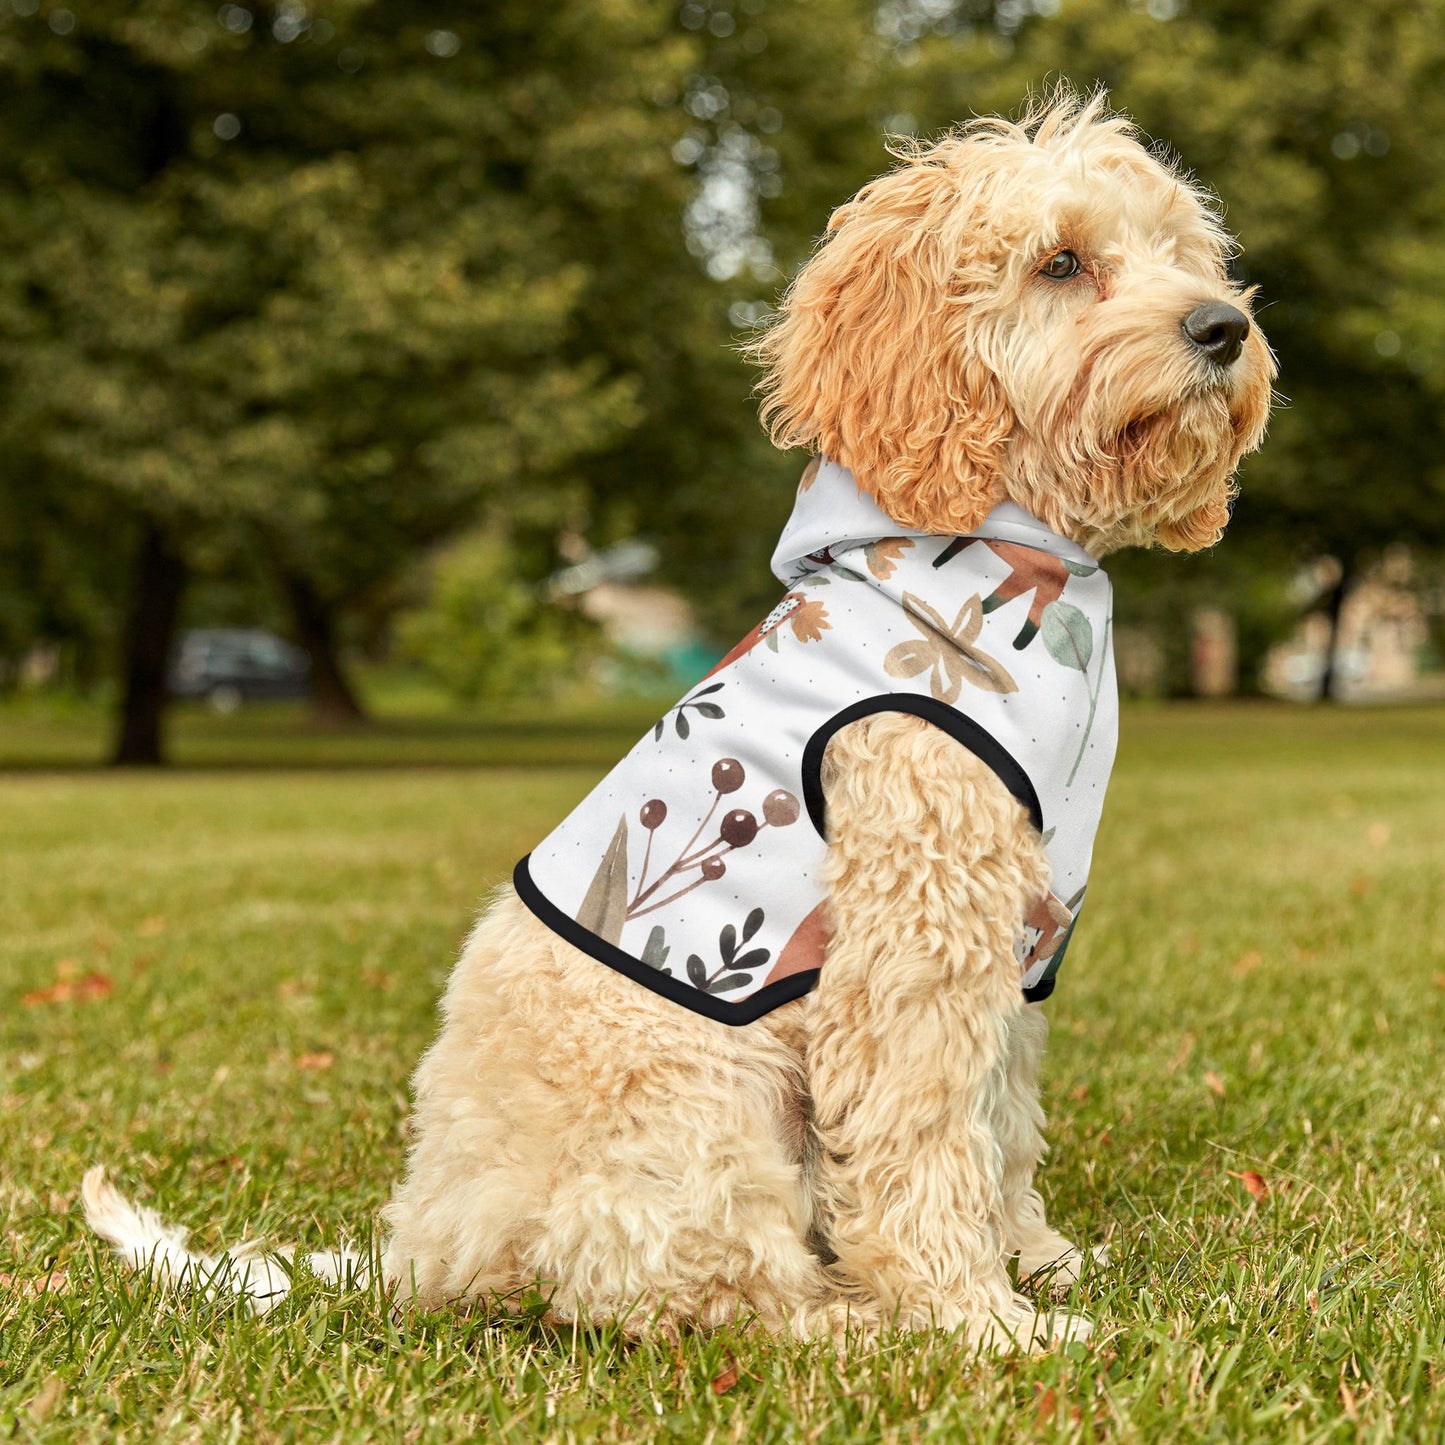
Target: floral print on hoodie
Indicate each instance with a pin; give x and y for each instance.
(695, 866)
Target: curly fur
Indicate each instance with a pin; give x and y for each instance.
(864, 1155)
(921, 348)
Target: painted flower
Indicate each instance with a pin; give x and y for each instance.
(806, 617)
(882, 556)
(947, 652)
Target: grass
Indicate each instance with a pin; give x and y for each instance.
(231, 972)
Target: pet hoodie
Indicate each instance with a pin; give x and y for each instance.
(695, 867)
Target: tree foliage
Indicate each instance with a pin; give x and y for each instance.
(324, 286)
(315, 286)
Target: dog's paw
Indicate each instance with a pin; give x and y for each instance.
(1058, 1271)
(1023, 1326)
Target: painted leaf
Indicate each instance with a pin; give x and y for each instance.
(604, 908)
(704, 691)
(952, 550)
(977, 667)
(708, 709)
(753, 958)
(1079, 569)
(947, 665)
(752, 923)
(696, 971)
(727, 942)
(681, 723)
(969, 622)
(908, 659)
(657, 731)
(727, 981)
(1068, 635)
(925, 618)
(654, 955)
(882, 556)
(809, 622)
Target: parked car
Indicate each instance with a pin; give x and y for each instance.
(230, 665)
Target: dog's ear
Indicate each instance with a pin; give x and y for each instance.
(873, 358)
(1198, 529)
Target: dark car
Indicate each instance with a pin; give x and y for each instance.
(231, 665)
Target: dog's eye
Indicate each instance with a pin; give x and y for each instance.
(1060, 266)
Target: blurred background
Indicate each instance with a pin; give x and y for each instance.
(366, 362)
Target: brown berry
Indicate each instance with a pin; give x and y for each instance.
(728, 775)
(739, 828)
(713, 868)
(780, 808)
(654, 814)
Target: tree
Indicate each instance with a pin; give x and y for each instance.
(291, 283)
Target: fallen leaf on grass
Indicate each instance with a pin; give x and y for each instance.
(322, 1059)
(45, 1399)
(724, 1382)
(1079, 1094)
(1360, 885)
(56, 1282)
(1378, 834)
(1181, 1054)
(1046, 1407)
(1255, 1184)
(377, 978)
(1440, 980)
(151, 927)
(67, 990)
(1347, 1399)
(1247, 963)
(1214, 1083)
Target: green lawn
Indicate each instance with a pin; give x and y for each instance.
(252, 958)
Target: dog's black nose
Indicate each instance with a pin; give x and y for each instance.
(1218, 330)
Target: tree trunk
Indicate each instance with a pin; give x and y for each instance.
(333, 699)
(1329, 676)
(160, 578)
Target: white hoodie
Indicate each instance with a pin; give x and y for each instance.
(694, 867)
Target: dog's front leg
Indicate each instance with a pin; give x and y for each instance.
(1019, 1125)
(932, 865)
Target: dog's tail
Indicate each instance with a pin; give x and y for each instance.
(147, 1243)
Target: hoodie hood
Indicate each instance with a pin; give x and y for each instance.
(832, 514)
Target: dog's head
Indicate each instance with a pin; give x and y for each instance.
(1037, 311)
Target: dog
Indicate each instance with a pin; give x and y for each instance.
(1024, 325)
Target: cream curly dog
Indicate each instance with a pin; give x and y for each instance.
(1035, 313)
